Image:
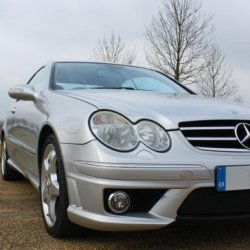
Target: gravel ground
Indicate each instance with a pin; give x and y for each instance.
(21, 227)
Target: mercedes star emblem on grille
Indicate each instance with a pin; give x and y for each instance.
(242, 132)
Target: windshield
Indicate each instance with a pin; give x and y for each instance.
(69, 76)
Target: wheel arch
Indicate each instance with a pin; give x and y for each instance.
(46, 131)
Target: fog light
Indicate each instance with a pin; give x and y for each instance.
(118, 202)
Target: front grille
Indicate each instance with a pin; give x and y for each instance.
(141, 200)
(215, 135)
(207, 202)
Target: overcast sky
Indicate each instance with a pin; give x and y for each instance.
(34, 32)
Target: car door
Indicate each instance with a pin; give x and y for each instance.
(26, 119)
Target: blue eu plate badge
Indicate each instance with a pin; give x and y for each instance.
(221, 178)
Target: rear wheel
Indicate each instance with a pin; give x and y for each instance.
(53, 190)
(8, 173)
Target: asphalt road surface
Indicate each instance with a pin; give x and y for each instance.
(21, 227)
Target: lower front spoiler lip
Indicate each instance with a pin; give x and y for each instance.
(116, 223)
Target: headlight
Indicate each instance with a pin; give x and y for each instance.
(117, 132)
(153, 136)
(114, 130)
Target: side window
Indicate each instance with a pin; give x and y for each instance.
(37, 81)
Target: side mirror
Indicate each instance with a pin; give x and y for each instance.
(23, 92)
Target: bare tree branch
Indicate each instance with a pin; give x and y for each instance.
(238, 99)
(178, 39)
(216, 79)
(112, 49)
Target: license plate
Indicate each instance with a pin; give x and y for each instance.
(232, 178)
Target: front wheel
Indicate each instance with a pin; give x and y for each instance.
(53, 190)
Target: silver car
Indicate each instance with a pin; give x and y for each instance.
(117, 148)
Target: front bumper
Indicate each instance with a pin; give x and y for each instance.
(92, 168)
(87, 205)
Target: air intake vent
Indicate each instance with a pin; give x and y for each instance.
(213, 135)
(205, 202)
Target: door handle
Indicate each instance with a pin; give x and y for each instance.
(13, 110)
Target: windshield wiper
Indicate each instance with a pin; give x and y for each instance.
(127, 88)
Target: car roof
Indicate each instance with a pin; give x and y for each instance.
(108, 63)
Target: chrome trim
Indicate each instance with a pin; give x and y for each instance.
(206, 128)
(247, 135)
(224, 149)
(211, 138)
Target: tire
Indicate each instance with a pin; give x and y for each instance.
(53, 191)
(8, 173)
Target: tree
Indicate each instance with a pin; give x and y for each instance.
(178, 39)
(113, 49)
(216, 79)
(238, 99)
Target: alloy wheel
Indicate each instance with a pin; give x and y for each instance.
(49, 185)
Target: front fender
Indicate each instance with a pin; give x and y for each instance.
(68, 117)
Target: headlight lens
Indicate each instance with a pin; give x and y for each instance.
(153, 136)
(117, 132)
(114, 130)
